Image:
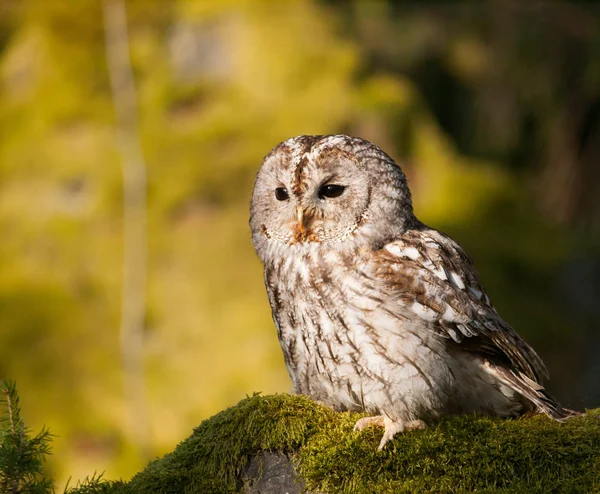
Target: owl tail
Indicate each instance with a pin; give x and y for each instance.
(536, 395)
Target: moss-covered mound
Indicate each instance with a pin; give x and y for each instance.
(458, 454)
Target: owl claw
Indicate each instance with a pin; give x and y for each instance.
(392, 427)
(365, 422)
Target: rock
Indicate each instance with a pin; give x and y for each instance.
(271, 473)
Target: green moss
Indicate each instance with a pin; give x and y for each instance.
(458, 454)
(214, 456)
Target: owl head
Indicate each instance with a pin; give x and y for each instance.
(322, 190)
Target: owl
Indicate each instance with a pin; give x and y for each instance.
(375, 311)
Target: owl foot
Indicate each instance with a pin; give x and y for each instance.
(365, 422)
(391, 427)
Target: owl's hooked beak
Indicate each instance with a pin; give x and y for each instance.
(300, 217)
(302, 230)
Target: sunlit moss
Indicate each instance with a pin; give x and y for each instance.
(458, 454)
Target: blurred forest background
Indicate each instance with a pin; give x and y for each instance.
(493, 108)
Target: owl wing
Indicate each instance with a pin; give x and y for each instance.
(437, 281)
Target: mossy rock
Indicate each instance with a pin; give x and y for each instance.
(457, 454)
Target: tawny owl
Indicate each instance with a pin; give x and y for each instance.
(374, 310)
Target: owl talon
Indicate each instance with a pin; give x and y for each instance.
(392, 427)
(365, 422)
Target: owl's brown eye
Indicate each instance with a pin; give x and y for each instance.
(331, 190)
(281, 194)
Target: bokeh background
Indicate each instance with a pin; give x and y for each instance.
(493, 109)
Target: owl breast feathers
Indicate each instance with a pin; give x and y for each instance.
(374, 310)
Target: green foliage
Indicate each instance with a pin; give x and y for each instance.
(93, 485)
(21, 455)
(458, 454)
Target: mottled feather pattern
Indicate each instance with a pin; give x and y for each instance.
(374, 310)
(445, 288)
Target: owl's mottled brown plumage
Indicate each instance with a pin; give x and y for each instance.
(374, 310)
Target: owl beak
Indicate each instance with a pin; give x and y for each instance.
(300, 216)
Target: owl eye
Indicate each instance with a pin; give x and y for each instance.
(331, 190)
(281, 194)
